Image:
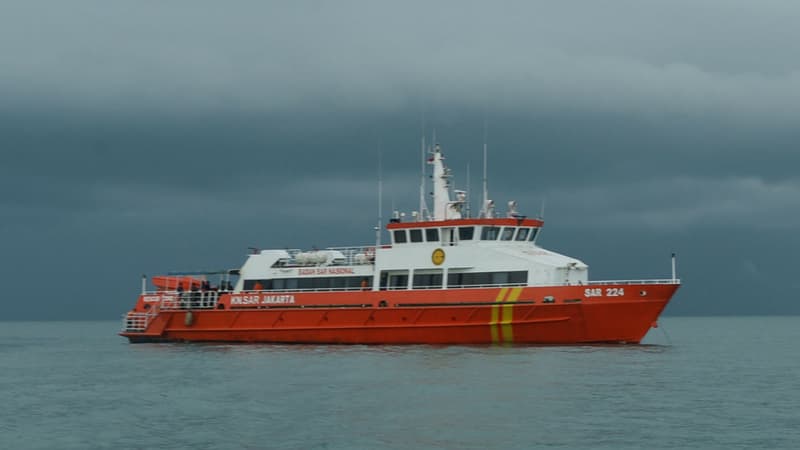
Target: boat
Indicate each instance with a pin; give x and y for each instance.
(443, 278)
(167, 282)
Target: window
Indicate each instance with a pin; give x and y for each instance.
(469, 279)
(534, 231)
(399, 236)
(522, 234)
(432, 280)
(432, 234)
(508, 233)
(250, 285)
(394, 280)
(499, 278)
(466, 233)
(415, 235)
(518, 277)
(398, 281)
(489, 233)
(318, 283)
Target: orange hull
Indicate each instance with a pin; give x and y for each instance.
(522, 315)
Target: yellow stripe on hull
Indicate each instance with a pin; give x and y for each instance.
(495, 315)
(503, 314)
(507, 316)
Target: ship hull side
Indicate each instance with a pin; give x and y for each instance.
(570, 319)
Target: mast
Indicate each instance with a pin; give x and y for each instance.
(443, 208)
(485, 210)
(485, 184)
(423, 208)
(469, 189)
(380, 203)
(674, 274)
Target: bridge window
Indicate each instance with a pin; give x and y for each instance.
(522, 234)
(432, 234)
(415, 235)
(534, 231)
(466, 233)
(400, 236)
(508, 233)
(489, 233)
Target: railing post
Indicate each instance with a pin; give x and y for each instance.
(674, 277)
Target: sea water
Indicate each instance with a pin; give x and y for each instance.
(718, 382)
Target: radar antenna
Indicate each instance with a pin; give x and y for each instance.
(423, 207)
(380, 201)
(485, 209)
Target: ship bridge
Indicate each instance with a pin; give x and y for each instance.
(474, 252)
(463, 231)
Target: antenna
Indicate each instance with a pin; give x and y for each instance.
(674, 273)
(541, 210)
(469, 189)
(484, 205)
(380, 201)
(423, 207)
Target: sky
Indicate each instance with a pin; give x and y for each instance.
(155, 136)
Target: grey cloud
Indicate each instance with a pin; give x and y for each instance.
(682, 202)
(728, 59)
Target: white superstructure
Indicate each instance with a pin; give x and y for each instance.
(448, 251)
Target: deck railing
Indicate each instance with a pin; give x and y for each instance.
(137, 321)
(208, 300)
(658, 281)
(471, 286)
(189, 300)
(352, 256)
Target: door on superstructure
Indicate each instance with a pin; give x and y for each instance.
(449, 236)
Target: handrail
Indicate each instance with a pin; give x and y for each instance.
(356, 255)
(655, 281)
(208, 299)
(189, 300)
(134, 321)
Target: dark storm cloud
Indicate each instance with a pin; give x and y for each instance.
(691, 57)
(153, 136)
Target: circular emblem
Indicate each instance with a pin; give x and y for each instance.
(438, 256)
